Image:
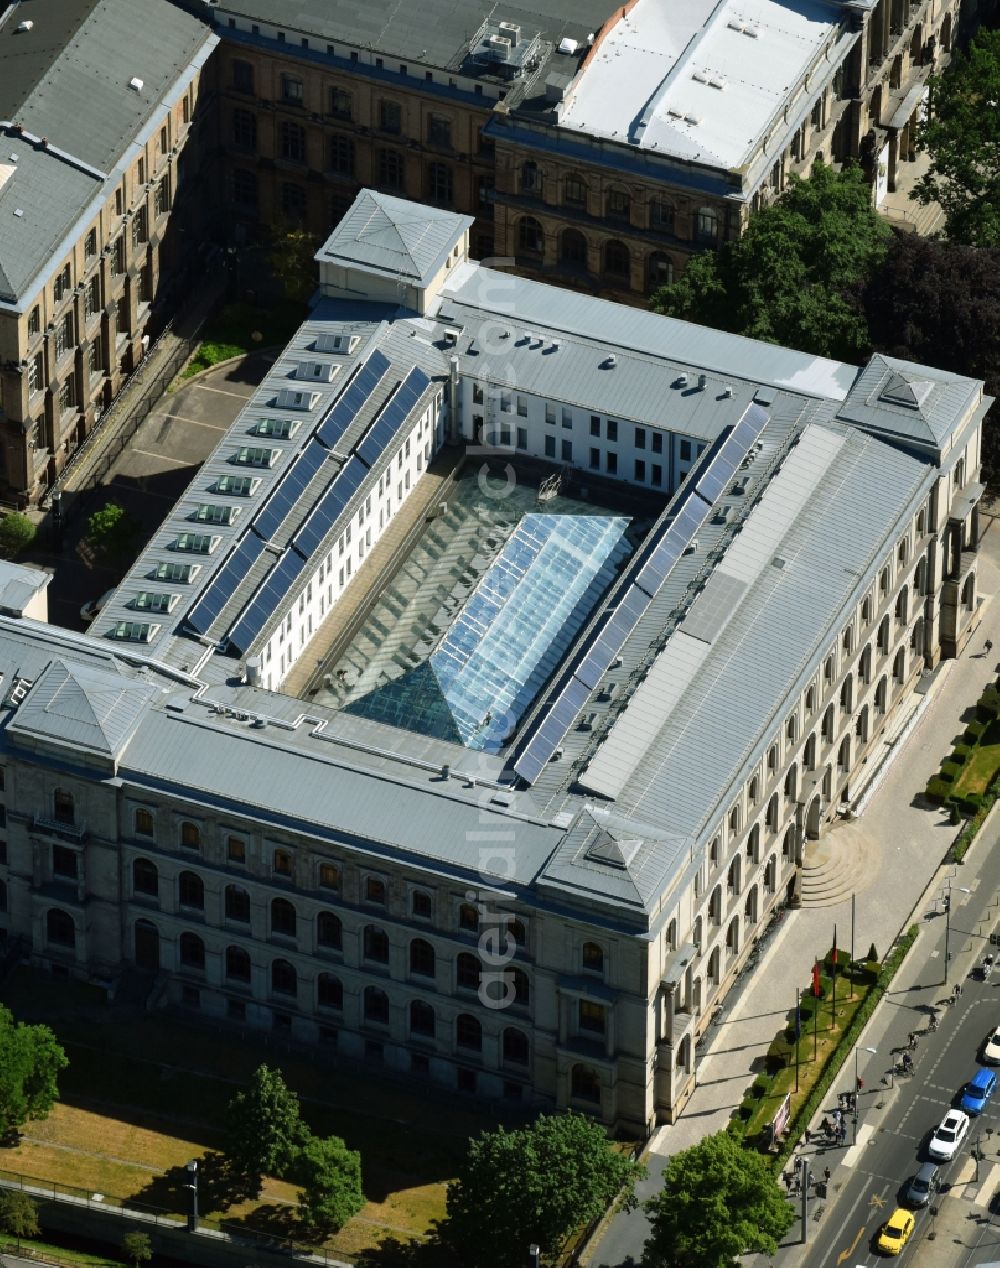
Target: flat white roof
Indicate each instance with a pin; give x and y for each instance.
(697, 80)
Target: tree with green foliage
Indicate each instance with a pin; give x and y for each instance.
(111, 532)
(137, 1248)
(292, 261)
(330, 1178)
(719, 1201)
(961, 135)
(30, 1061)
(795, 276)
(18, 1215)
(265, 1131)
(533, 1185)
(16, 532)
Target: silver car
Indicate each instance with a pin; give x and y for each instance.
(923, 1186)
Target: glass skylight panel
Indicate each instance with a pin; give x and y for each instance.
(280, 428)
(239, 486)
(290, 398)
(171, 571)
(252, 456)
(134, 631)
(196, 543)
(215, 513)
(154, 602)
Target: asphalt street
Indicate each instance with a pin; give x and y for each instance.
(897, 1114)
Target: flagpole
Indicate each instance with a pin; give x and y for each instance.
(853, 896)
(833, 1011)
(798, 998)
(816, 1028)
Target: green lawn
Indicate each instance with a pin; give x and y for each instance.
(230, 333)
(982, 765)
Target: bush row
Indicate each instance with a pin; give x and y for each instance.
(804, 1114)
(940, 788)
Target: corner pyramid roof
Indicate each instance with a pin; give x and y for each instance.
(909, 402)
(395, 237)
(92, 710)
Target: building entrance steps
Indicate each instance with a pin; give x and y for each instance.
(840, 863)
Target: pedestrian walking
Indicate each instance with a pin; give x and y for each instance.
(958, 989)
(989, 646)
(861, 1086)
(826, 1175)
(911, 1040)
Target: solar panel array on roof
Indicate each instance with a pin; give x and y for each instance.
(556, 723)
(267, 598)
(220, 589)
(353, 398)
(334, 500)
(716, 476)
(383, 430)
(289, 489)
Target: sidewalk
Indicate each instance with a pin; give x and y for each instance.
(910, 842)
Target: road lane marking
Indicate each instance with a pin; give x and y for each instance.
(196, 422)
(203, 387)
(162, 457)
(845, 1255)
(864, 1135)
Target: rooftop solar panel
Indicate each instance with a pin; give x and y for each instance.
(219, 590)
(328, 509)
(353, 398)
(269, 596)
(384, 429)
(725, 462)
(550, 732)
(289, 490)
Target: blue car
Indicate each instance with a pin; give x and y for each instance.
(978, 1091)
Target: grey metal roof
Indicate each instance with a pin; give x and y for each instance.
(434, 33)
(903, 401)
(90, 709)
(25, 56)
(82, 101)
(19, 584)
(394, 236)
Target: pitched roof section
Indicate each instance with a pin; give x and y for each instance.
(914, 404)
(25, 56)
(394, 236)
(95, 710)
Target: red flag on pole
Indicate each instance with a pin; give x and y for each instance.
(816, 990)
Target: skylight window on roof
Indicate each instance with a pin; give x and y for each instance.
(150, 601)
(251, 456)
(197, 543)
(216, 513)
(280, 428)
(317, 371)
(288, 398)
(169, 571)
(134, 631)
(326, 341)
(239, 486)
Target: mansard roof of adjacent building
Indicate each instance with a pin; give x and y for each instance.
(393, 236)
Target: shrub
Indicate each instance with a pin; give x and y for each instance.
(950, 771)
(975, 731)
(989, 702)
(937, 790)
(872, 954)
(954, 814)
(971, 803)
(759, 1088)
(961, 752)
(16, 532)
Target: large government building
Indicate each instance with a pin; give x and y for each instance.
(470, 711)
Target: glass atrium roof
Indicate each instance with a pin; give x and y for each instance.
(510, 636)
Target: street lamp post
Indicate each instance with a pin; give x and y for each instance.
(857, 1085)
(805, 1178)
(192, 1170)
(947, 925)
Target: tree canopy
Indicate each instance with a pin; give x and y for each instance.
(962, 138)
(330, 1176)
(18, 1215)
(265, 1131)
(16, 532)
(533, 1185)
(111, 531)
(30, 1061)
(719, 1201)
(795, 276)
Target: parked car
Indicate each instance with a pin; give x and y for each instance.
(897, 1231)
(978, 1091)
(991, 1049)
(924, 1185)
(948, 1136)
(92, 608)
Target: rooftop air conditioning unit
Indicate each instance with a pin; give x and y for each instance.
(135, 84)
(512, 32)
(499, 48)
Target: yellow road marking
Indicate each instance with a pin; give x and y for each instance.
(846, 1254)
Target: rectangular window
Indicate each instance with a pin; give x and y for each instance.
(390, 117)
(292, 91)
(612, 430)
(685, 451)
(140, 227)
(67, 394)
(550, 446)
(242, 77)
(245, 129)
(65, 862)
(522, 407)
(657, 442)
(567, 418)
(34, 321)
(92, 296)
(94, 356)
(36, 373)
(391, 170)
(612, 460)
(592, 1017)
(595, 425)
(522, 438)
(341, 104)
(118, 258)
(439, 131)
(640, 438)
(121, 316)
(341, 155)
(657, 476)
(595, 459)
(293, 142)
(640, 471)
(567, 451)
(90, 248)
(244, 188)
(550, 414)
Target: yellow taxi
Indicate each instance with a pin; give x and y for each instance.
(897, 1231)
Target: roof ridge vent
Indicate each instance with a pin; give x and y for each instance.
(135, 83)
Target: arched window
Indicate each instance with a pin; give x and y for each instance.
(329, 992)
(593, 957)
(617, 261)
(237, 902)
(283, 920)
(573, 248)
(421, 958)
(191, 891)
(190, 836)
(515, 1046)
(63, 808)
(468, 918)
(376, 1005)
(284, 979)
(237, 964)
(60, 928)
(376, 944)
(329, 931)
(522, 988)
(468, 1032)
(707, 224)
(659, 270)
(421, 1018)
(191, 950)
(585, 1084)
(145, 878)
(469, 971)
(530, 237)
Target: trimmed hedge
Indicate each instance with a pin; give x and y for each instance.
(976, 730)
(938, 790)
(803, 1116)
